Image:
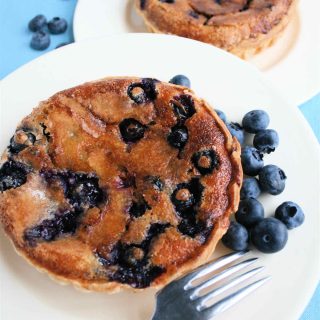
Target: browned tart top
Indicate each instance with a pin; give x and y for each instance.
(120, 180)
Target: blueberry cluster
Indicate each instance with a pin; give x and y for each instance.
(132, 261)
(183, 108)
(268, 235)
(272, 179)
(41, 27)
(82, 190)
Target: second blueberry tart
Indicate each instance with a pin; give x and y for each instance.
(242, 27)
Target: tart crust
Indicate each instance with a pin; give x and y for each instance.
(248, 29)
(77, 130)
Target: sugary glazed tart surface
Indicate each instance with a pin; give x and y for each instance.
(243, 27)
(122, 182)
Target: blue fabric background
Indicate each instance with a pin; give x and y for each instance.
(15, 51)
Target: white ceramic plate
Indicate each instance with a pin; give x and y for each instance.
(227, 83)
(292, 64)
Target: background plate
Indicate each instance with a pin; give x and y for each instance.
(227, 83)
(292, 64)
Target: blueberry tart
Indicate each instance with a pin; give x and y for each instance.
(119, 183)
(242, 27)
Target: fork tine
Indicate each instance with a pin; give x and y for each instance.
(232, 299)
(223, 274)
(210, 267)
(205, 298)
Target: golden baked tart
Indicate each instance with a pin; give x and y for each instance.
(242, 27)
(119, 183)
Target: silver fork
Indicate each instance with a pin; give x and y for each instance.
(183, 298)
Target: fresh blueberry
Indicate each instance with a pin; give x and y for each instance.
(57, 25)
(221, 115)
(269, 235)
(40, 40)
(255, 121)
(250, 189)
(266, 141)
(144, 91)
(272, 179)
(290, 214)
(252, 161)
(236, 131)
(13, 174)
(237, 237)
(205, 161)
(183, 107)
(181, 80)
(250, 212)
(131, 130)
(178, 137)
(37, 23)
(82, 190)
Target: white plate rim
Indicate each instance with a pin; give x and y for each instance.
(147, 37)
